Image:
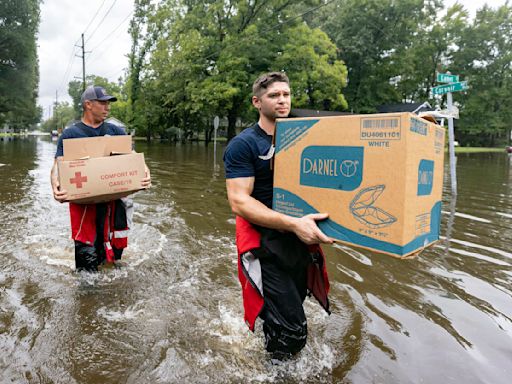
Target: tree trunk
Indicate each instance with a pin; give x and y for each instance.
(232, 123)
(208, 132)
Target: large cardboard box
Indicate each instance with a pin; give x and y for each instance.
(380, 178)
(99, 169)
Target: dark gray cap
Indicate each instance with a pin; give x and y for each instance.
(96, 93)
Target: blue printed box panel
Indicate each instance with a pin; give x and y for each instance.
(291, 204)
(290, 132)
(425, 177)
(333, 167)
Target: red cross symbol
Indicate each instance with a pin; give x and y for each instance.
(78, 179)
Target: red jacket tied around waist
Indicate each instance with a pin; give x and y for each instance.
(249, 272)
(84, 226)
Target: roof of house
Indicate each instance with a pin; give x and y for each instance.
(404, 107)
(299, 112)
(113, 120)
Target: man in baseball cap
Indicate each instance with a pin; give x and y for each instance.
(94, 92)
(92, 244)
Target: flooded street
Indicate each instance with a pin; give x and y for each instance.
(173, 312)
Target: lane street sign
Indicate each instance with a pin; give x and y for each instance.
(447, 78)
(453, 87)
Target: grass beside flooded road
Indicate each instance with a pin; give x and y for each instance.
(477, 149)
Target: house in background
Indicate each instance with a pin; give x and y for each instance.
(117, 122)
(299, 112)
(405, 107)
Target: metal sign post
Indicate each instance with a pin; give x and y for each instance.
(451, 143)
(454, 85)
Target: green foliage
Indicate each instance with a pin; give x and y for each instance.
(316, 76)
(63, 115)
(204, 62)
(192, 60)
(19, 73)
(431, 51)
(485, 60)
(119, 109)
(372, 37)
(75, 90)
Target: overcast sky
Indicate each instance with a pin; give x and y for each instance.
(105, 23)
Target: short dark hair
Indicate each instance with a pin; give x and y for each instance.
(267, 79)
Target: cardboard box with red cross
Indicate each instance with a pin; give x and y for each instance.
(99, 169)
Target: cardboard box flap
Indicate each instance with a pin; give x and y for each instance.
(100, 146)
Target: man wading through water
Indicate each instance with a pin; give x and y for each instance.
(279, 259)
(99, 230)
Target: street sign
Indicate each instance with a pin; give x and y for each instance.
(447, 78)
(453, 87)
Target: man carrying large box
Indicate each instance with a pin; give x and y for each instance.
(99, 230)
(279, 259)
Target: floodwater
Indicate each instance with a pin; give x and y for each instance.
(173, 312)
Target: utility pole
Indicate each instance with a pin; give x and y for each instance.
(56, 110)
(83, 61)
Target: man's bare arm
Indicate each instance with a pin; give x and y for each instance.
(244, 205)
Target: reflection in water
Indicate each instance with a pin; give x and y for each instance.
(173, 312)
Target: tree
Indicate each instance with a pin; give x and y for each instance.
(63, 114)
(143, 30)
(75, 90)
(204, 63)
(430, 52)
(316, 76)
(485, 60)
(19, 73)
(372, 37)
(119, 109)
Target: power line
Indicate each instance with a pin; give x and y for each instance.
(114, 73)
(102, 20)
(265, 31)
(66, 77)
(278, 25)
(109, 36)
(96, 14)
(68, 68)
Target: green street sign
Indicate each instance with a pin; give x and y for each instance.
(453, 87)
(447, 78)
